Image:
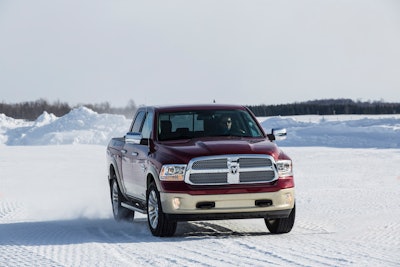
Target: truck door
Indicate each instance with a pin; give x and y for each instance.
(134, 169)
(134, 158)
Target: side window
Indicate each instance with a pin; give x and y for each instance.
(137, 124)
(147, 126)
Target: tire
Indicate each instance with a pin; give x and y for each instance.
(158, 223)
(281, 225)
(120, 213)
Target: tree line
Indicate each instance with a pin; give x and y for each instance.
(33, 109)
(326, 107)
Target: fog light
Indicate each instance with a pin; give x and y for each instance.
(176, 203)
(288, 198)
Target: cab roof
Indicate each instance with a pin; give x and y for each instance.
(175, 108)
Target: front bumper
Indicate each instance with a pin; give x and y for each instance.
(185, 207)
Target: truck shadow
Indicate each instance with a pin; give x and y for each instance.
(80, 231)
(212, 229)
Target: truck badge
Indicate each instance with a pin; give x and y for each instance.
(233, 168)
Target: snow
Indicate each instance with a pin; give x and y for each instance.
(80, 126)
(55, 208)
(346, 131)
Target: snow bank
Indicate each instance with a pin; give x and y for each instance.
(84, 126)
(80, 126)
(356, 131)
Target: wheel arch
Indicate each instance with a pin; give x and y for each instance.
(113, 173)
(152, 176)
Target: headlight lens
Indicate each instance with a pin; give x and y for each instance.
(172, 172)
(284, 168)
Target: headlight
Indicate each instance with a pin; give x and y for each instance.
(284, 168)
(172, 172)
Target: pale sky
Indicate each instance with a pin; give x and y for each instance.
(174, 52)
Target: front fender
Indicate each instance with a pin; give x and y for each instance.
(153, 175)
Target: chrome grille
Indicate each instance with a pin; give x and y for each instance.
(253, 177)
(209, 164)
(231, 169)
(208, 178)
(254, 162)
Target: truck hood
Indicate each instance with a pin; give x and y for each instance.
(184, 150)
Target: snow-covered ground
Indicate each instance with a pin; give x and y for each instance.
(55, 208)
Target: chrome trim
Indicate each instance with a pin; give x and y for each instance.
(132, 208)
(133, 138)
(231, 168)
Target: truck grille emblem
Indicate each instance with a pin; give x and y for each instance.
(233, 169)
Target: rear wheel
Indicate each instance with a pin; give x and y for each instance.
(281, 225)
(120, 213)
(157, 220)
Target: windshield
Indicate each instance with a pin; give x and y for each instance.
(206, 123)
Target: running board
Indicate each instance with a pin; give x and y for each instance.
(133, 208)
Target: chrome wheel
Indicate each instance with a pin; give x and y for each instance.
(153, 209)
(115, 198)
(119, 212)
(158, 221)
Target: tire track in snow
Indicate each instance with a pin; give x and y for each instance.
(244, 240)
(293, 249)
(144, 253)
(132, 243)
(226, 239)
(241, 239)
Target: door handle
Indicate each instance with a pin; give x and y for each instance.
(123, 151)
(135, 153)
(143, 167)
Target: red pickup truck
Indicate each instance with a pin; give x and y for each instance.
(200, 162)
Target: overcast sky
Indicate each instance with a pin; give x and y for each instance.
(173, 52)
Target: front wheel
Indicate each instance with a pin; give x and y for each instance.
(281, 225)
(158, 222)
(120, 213)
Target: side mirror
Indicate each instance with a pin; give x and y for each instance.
(278, 134)
(133, 138)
